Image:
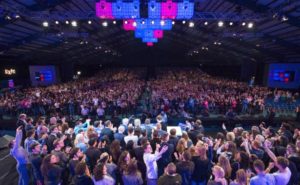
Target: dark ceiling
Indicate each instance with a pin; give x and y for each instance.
(275, 36)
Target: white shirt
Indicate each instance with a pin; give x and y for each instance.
(150, 162)
(131, 137)
(282, 178)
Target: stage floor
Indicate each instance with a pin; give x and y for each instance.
(8, 172)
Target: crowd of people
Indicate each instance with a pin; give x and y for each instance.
(181, 92)
(49, 151)
(190, 92)
(108, 92)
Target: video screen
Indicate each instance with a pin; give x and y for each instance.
(43, 75)
(284, 75)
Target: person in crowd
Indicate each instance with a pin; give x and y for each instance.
(185, 167)
(75, 156)
(108, 131)
(219, 176)
(202, 163)
(92, 153)
(170, 176)
(51, 171)
(21, 156)
(150, 161)
(283, 175)
(241, 178)
(132, 176)
(101, 177)
(82, 175)
(173, 139)
(261, 178)
(36, 161)
(30, 139)
(120, 135)
(166, 157)
(131, 136)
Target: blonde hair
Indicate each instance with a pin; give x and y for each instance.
(137, 123)
(230, 136)
(241, 177)
(181, 145)
(225, 164)
(219, 171)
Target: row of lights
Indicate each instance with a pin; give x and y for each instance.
(12, 16)
(162, 22)
(221, 24)
(73, 23)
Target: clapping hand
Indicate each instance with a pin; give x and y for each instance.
(164, 148)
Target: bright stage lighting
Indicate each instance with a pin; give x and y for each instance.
(183, 22)
(89, 22)
(205, 23)
(173, 22)
(231, 23)
(243, 24)
(56, 22)
(220, 23)
(134, 24)
(67, 22)
(152, 22)
(104, 24)
(78, 72)
(191, 24)
(162, 23)
(45, 24)
(114, 22)
(250, 25)
(74, 23)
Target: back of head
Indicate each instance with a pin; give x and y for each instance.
(259, 165)
(80, 168)
(98, 171)
(171, 169)
(173, 132)
(137, 122)
(241, 177)
(283, 162)
(107, 123)
(125, 121)
(130, 130)
(121, 129)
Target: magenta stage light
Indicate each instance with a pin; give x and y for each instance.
(129, 24)
(104, 10)
(158, 34)
(150, 44)
(168, 10)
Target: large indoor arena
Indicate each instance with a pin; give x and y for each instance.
(150, 92)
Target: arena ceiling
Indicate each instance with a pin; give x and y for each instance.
(274, 37)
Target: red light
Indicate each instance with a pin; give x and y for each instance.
(149, 43)
(286, 80)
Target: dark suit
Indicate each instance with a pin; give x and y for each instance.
(107, 132)
(166, 157)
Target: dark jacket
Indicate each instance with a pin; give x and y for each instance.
(185, 169)
(170, 180)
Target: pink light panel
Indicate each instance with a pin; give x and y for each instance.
(149, 44)
(158, 34)
(168, 10)
(104, 10)
(128, 24)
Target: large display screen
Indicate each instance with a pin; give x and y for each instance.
(284, 76)
(43, 75)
